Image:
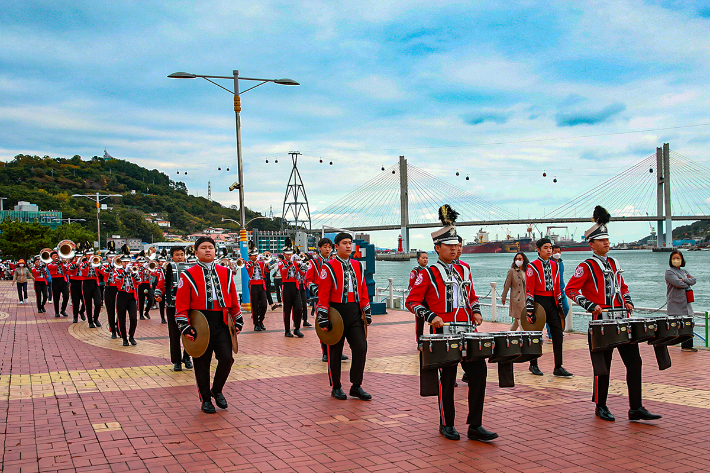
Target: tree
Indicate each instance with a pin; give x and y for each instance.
(23, 240)
(73, 232)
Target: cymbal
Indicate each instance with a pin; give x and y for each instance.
(540, 319)
(197, 347)
(332, 336)
(233, 334)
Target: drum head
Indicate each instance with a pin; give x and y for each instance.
(233, 334)
(540, 319)
(198, 347)
(334, 335)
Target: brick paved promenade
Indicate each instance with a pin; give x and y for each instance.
(72, 399)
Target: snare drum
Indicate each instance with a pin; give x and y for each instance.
(506, 346)
(606, 334)
(686, 324)
(479, 346)
(666, 330)
(641, 329)
(530, 346)
(440, 350)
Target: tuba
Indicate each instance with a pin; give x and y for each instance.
(152, 265)
(117, 261)
(96, 261)
(46, 255)
(66, 249)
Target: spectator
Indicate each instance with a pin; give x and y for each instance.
(20, 276)
(678, 285)
(515, 282)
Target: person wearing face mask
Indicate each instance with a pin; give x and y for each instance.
(515, 283)
(678, 289)
(20, 276)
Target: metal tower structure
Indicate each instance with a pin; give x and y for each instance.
(296, 212)
(209, 191)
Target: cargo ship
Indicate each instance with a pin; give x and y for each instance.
(482, 244)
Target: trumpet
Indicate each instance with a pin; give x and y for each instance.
(96, 261)
(152, 266)
(46, 255)
(135, 269)
(66, 249)
(117, 261)
(226, 262)
(239, 264)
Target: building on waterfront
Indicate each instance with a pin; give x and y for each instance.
(29, 213)
(135, 244)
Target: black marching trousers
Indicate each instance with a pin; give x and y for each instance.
(292, 303)
(304, 303)
(161, 308)
(258, 303)
(553, 320)
(143, 298)
(221, 345)
(77, 301)
(176, 356)
(41, 293)
(110, 294)
(354, 332)
(267, 281)
(92, 298)
(277, 289)
(632, 360)
(476, 371)
(126, 302)
(60, 289)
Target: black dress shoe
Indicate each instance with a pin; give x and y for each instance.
(561, 372)
(257, 328)
(97, 323)
(449, 432)
(289, 334)
(358, 392)
(306, 324)
(208, 407)
(464, 378)
(177, 366)
(325, 358)
(142, 317)
(534, 369)
(64, 313)
(125, 342)
(642, 414)
(91, 325)
(56, 315)
(479, 433)
(187, 362)
(343, 357)
(147, 316)
(163, 321)
(261, 324)
(220, 400)
(338, 394)
(83, 317)
(75, 321)
(133, 341)
(113, 335)
(604, 414)
(298, 333)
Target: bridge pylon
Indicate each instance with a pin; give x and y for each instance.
(404, 203)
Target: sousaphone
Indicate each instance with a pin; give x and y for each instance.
(197, 347)
(332, 336)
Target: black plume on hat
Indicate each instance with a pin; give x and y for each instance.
(251, 245)
(288, 242)
(447, 215)
(164, 253)
(224, 251)
(142, 253)
(111, 245)
(125, 249)
(600, 215)
(79, 246)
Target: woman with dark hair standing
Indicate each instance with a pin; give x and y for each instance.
(679, 292)
(515, 282)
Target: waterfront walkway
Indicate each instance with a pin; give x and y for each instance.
(72, 399)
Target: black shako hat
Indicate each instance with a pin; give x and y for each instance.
(252, 249)
(288, 246)
(446, 235)
(598, 231)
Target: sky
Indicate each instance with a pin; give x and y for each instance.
(500, 91)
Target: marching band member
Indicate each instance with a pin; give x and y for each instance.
(144, 295)
(158, 279)
(301, 286)
(542, 286)
(291, 297)
(342, 286)
(75, 283)
(126, 299)
(210, 288)
(422, 261)
(165, 292)
(312, 279)
(593, 287)
(40, 274)
(60, 288)
(108, 270)
(443, 293)
(90, 288)
(257, 287)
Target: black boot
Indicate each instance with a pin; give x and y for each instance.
(449, 432)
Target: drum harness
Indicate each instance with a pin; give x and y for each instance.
(463, 288)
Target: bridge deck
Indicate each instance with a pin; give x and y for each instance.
(72, 399)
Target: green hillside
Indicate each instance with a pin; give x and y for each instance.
(50, 182)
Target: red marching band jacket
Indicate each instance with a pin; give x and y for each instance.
(312, 278)
(432, 294)
(108, 271)
(413, 275)
(593, 284)
(86, 271)
(127, 281)
(250, 267)
(192, 294)
(330, 286)
(289, 271)
(40, 272)
(535, 279)
(73, 271)
(57, 270)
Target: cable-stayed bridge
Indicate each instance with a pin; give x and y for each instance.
(404, 196)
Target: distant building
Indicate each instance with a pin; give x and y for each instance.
(135, 244)
(28, 213)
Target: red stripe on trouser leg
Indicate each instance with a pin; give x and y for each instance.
(441, 400)
(596, 390)
(330, 376)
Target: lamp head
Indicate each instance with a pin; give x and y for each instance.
(282, 81)
(182, 75)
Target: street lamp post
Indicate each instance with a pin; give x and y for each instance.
(98, 198)
(240, 184)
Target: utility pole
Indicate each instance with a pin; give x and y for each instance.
(98, 198)
(2, 203)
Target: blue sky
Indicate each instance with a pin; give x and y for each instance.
(451, 85)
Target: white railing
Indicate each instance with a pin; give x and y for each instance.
(393, 297)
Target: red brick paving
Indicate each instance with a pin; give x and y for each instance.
(292, 424)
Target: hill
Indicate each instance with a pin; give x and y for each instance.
(50, 182)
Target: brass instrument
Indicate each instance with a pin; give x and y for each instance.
(152, 254)
(66, 249)
(46, 255)
(117, 261)
(227, 263)
(152, 265)
(135, 269)
(96, 261)
(239, 264)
